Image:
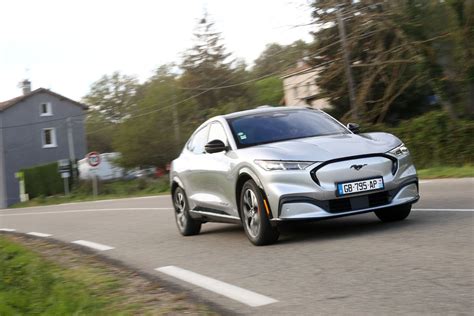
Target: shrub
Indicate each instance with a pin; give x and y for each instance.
(43, 180)
(434, 139)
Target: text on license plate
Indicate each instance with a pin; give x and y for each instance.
(360, 186)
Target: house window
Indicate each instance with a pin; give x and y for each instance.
(49, 137)
(46, 109)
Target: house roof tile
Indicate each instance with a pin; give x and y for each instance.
(9, 103)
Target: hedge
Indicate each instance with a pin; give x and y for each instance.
(43, 180)
(434, 139)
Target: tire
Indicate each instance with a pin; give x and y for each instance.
(187, 225)
(254, 216)
(394, 213)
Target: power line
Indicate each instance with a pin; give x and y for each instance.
(208, 89)
(43, 122)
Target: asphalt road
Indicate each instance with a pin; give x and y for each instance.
(354, 265)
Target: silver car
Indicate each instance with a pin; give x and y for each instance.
(274, 164)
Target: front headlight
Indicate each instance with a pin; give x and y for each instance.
(271, 165)
(400, 150)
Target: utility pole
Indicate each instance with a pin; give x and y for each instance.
(70, 141)
(177, 136)
(347, 65)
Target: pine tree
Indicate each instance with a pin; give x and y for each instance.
(207, 66)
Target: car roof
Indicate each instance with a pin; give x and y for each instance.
(262, 109)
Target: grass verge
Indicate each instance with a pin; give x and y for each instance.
(58, 280)
(447, 172)
(107, 190)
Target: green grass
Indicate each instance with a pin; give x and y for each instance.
(447, 172)
(38, 277)
(30, 285)
(107, 190)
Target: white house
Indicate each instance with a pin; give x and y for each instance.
(299, 86)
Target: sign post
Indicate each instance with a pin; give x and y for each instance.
(20, 175)
(64, 168)
(93, 159)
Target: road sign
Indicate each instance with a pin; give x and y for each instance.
(93, 158)
(64, 165)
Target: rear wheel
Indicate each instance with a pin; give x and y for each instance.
(187, 225)
(394, 213)
(254, 216)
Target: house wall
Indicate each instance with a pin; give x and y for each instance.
(23, 145)
(300, 86)
(3, 188)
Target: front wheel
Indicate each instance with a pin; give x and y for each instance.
(254, 216)
(394, 213)
(187, 225)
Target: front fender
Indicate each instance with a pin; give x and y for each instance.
(176, 180)
(252, 174)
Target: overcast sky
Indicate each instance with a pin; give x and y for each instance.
(67, 45)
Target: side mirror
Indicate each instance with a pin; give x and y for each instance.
(215, 146)
(354, 128)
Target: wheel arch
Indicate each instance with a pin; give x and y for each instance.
(245, 174)
(175, 183)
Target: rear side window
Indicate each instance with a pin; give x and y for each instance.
(198, 141)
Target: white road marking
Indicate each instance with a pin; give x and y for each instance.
(167, 196)
(134, 198)
(444, 209)
(7, 229)
(90, 210)
(39, 234)
(92, 245)
(231, 291)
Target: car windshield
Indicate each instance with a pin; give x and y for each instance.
(275, 126)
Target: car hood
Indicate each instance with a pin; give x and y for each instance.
(323, 148)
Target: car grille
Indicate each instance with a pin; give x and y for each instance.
(358, 202)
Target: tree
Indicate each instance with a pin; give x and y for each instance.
(148, 137)
(276, 58)
(268, 91)
(208, 74)
(111, 97)
(401, 55)
(100, 134)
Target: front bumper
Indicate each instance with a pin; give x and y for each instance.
(298, 195)
(304, 208)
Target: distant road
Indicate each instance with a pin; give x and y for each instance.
(352, 266)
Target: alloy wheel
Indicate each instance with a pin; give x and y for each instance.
(250, 210)
(179, 206)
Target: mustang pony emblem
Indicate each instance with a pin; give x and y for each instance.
(358, 167)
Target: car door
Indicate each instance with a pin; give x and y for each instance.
(218, 182)
(194, 168)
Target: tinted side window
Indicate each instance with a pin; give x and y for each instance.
(217, 132)
(198, 141)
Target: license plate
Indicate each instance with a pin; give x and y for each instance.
(360, 186)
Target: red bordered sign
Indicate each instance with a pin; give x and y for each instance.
(93, 158)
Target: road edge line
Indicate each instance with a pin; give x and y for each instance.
(92, 245)
(236, 293)
(37, 234)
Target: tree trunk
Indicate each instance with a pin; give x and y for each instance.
(470, 100)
